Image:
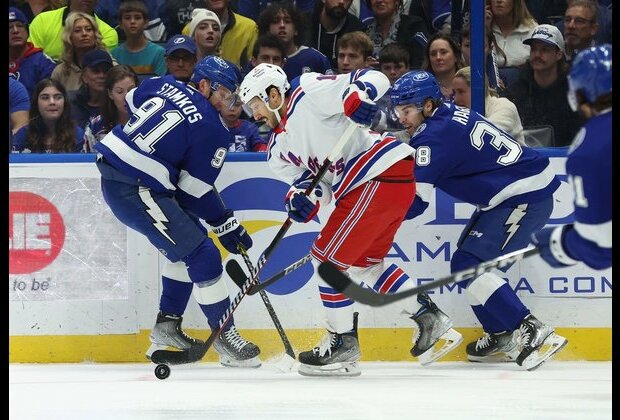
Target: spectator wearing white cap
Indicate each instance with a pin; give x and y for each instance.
(206, 31)
(540, 91)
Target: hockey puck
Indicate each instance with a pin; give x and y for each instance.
(162, 371)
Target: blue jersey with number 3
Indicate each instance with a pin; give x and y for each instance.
(468, 157)
(175, 141)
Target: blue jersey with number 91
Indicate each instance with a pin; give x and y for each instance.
(468, 157)
(175, 141)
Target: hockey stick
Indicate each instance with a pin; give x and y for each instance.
(289, 359)
(341, 282)
(333, 154)
(197, 352)
(237, 274)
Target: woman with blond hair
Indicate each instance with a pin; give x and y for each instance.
(511, 23)
(79, 36)
(500, 111)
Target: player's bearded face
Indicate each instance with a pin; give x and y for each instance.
(409, 116)
(260, 112)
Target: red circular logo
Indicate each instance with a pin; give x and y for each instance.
(36, 232)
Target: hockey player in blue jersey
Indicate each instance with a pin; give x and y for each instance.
(157, 175)
(588, 238)
(465, 155)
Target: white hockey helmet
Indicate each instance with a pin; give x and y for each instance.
(261, 77)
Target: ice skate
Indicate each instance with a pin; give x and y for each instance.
(434, 335)
(335, 355)
(235, 351)
(494, 348)
(167, 333)
(537, 343)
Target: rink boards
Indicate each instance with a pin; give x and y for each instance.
(84, 288)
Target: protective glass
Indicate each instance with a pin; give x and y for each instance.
(252, 106)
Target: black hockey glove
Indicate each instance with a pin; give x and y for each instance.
(231, 233)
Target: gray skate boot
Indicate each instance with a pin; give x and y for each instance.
(537, 343)
(432, 325)
(236, 351)
(494, 347)
(167, 332)
(335, 355)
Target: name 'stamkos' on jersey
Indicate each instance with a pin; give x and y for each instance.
(467, 156)
(313, 125)
(175, 141)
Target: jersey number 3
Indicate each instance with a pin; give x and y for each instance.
(484, 131)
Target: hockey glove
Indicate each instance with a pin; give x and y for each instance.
(231, 233)
(358, 105)
(301, 207)
(549, 242)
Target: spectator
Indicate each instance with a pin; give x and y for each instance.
(175, 14)
(79, 36)
(118, 81)
(154, 30)
(206, 31)
(284, 20)
(540, 91)
(137, 51)
(443, 58)
(46, 28)
(19, 105)
(27, 64)
(543, 11)
(500, 111)
(354, 52)
(181, 57)
(238, 33)
(581, 25)
(32, 8)
(491, 52)
(245, 136)
(437, 14)
(393, 62)
(86, 101)
(51, 128)
(329, 21)
(391, 25)
(511, 23)
(252, 8)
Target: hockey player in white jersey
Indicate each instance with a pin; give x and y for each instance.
(464, 154)
(373, 185)
(588, 238)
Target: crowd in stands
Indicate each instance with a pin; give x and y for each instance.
(72, 62)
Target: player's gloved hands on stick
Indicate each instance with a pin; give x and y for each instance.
(358, 103)
(301, 207)
(549, 242)
(230, 233)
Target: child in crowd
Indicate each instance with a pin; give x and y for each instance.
(244, 133)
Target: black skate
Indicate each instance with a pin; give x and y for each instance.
(236, 351)
(167, 332)
(432, 325)
(335, 355)
(494, 348)
(537, 343)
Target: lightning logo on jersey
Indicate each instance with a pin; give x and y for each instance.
(513, 222)
(155, 212)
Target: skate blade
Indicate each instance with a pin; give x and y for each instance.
(552, 344)
(334, 369)
(493, 358)
(451, 339)
(254, 362)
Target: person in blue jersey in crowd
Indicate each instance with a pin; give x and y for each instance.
(468, 157)
(588, 238)
(157, 175)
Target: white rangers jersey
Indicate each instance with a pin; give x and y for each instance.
(313, 124)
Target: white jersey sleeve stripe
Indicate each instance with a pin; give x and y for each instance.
(524, 185)
(600, 234)
(139, 161)
(192, 185)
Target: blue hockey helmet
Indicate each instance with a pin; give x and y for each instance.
(590, 75)
(414, 87)
(218, 71)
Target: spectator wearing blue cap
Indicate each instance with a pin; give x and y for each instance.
(87, 100)
(181, 57)
(27, 63)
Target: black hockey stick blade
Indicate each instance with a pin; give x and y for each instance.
(172, 357)
(341, 282)
(236, 273)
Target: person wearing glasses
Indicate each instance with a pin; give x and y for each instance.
(581, 25)
(181, 57)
